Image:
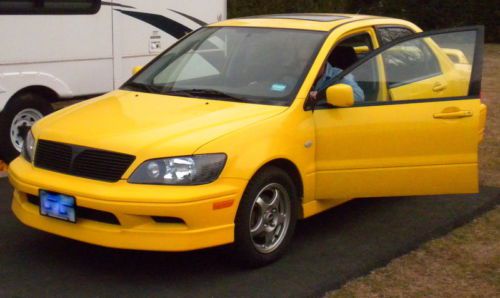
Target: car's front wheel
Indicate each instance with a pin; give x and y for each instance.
(266, 217)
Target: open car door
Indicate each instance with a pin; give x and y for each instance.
(417, 128)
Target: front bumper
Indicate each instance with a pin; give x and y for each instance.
(205, 216)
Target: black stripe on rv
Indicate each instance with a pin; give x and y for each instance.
(105, 3)
(167, 25)
(197, 21)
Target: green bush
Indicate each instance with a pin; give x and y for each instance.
(431, 14)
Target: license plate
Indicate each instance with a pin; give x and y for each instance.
(58, 206)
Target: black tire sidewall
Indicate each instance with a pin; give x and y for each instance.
(246, 253)
(18, 103)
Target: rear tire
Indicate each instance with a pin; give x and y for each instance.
(16, 119)
(266, 218)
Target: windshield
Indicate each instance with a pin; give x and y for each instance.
(256, 65)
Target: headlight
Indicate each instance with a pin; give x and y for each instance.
(28, 151)
(185, 170)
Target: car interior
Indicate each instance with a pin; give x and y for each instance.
(350, 51)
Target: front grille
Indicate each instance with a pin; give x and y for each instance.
(85, 213)
(81, 161)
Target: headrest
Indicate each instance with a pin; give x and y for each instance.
(342, 57)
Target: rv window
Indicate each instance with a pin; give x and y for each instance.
(17, 5)
(49, 6)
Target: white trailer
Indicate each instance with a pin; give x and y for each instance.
(53, 50)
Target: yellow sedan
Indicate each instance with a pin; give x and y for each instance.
(248, 125)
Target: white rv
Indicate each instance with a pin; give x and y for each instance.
(60, 49)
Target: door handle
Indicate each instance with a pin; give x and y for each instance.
(452, 115)
(438, 87)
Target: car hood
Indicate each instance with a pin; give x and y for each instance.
(149, 125)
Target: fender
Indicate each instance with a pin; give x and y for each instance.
(296, 146)
(12, 82)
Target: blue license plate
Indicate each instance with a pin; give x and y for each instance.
(58, 206)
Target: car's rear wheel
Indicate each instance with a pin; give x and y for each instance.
(16, 120)
(266, 217)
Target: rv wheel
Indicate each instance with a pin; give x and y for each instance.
(16, 120)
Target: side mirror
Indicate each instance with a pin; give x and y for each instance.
(340, 95)
(136, 69)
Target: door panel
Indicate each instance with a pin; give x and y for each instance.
(392, 150)
(420, 138)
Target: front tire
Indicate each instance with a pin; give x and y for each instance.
(266, 218)
(16, 119)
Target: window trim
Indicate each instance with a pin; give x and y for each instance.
(38, 8)
(476, 73)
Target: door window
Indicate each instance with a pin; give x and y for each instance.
(425, 67)
(344, 55)
(410, 62)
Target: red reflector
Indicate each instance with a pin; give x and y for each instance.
(223, 204)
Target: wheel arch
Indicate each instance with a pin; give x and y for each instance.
(47, 93)
(45, 84)
(291, 169)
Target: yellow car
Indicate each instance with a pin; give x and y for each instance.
(247, 125)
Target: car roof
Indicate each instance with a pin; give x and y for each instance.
(305, 21)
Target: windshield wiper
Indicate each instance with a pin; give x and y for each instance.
(211, 93)
(178, 93)
(134, 86)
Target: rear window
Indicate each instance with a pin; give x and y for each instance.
(49, 6)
